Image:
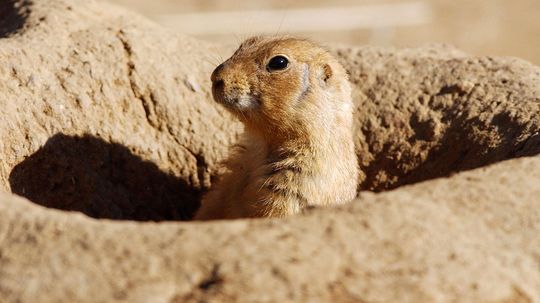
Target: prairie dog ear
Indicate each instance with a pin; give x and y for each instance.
(325, 73)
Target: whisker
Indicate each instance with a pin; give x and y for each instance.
(281, 23)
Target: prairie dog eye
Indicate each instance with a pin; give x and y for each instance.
(278, 62)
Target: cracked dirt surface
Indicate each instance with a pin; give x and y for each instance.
(107, 114)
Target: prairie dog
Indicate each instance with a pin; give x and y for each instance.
(294, 100)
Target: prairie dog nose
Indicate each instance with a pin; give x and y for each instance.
(218, 85)
(230, 81)
(217, 79)
(216, 74)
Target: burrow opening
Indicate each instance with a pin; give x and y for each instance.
(107, 181)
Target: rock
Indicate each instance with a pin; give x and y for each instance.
(107, 116)
(98, 119)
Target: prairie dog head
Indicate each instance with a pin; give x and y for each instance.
(283, 85)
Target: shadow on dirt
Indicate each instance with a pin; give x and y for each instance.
(102, 180)
(13, 15)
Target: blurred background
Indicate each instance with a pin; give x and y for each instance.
(481, 27)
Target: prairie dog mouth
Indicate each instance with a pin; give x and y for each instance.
(242, 102)
(246, 102)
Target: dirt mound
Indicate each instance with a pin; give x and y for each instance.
(99, 118)
(431, 112)
(107, 114)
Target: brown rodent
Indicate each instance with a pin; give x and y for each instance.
(294, 99)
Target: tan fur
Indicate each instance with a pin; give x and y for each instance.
(298, 146)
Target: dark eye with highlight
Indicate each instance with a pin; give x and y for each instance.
(277, 63)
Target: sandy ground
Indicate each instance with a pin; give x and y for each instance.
(108, 120)
(495, 27)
